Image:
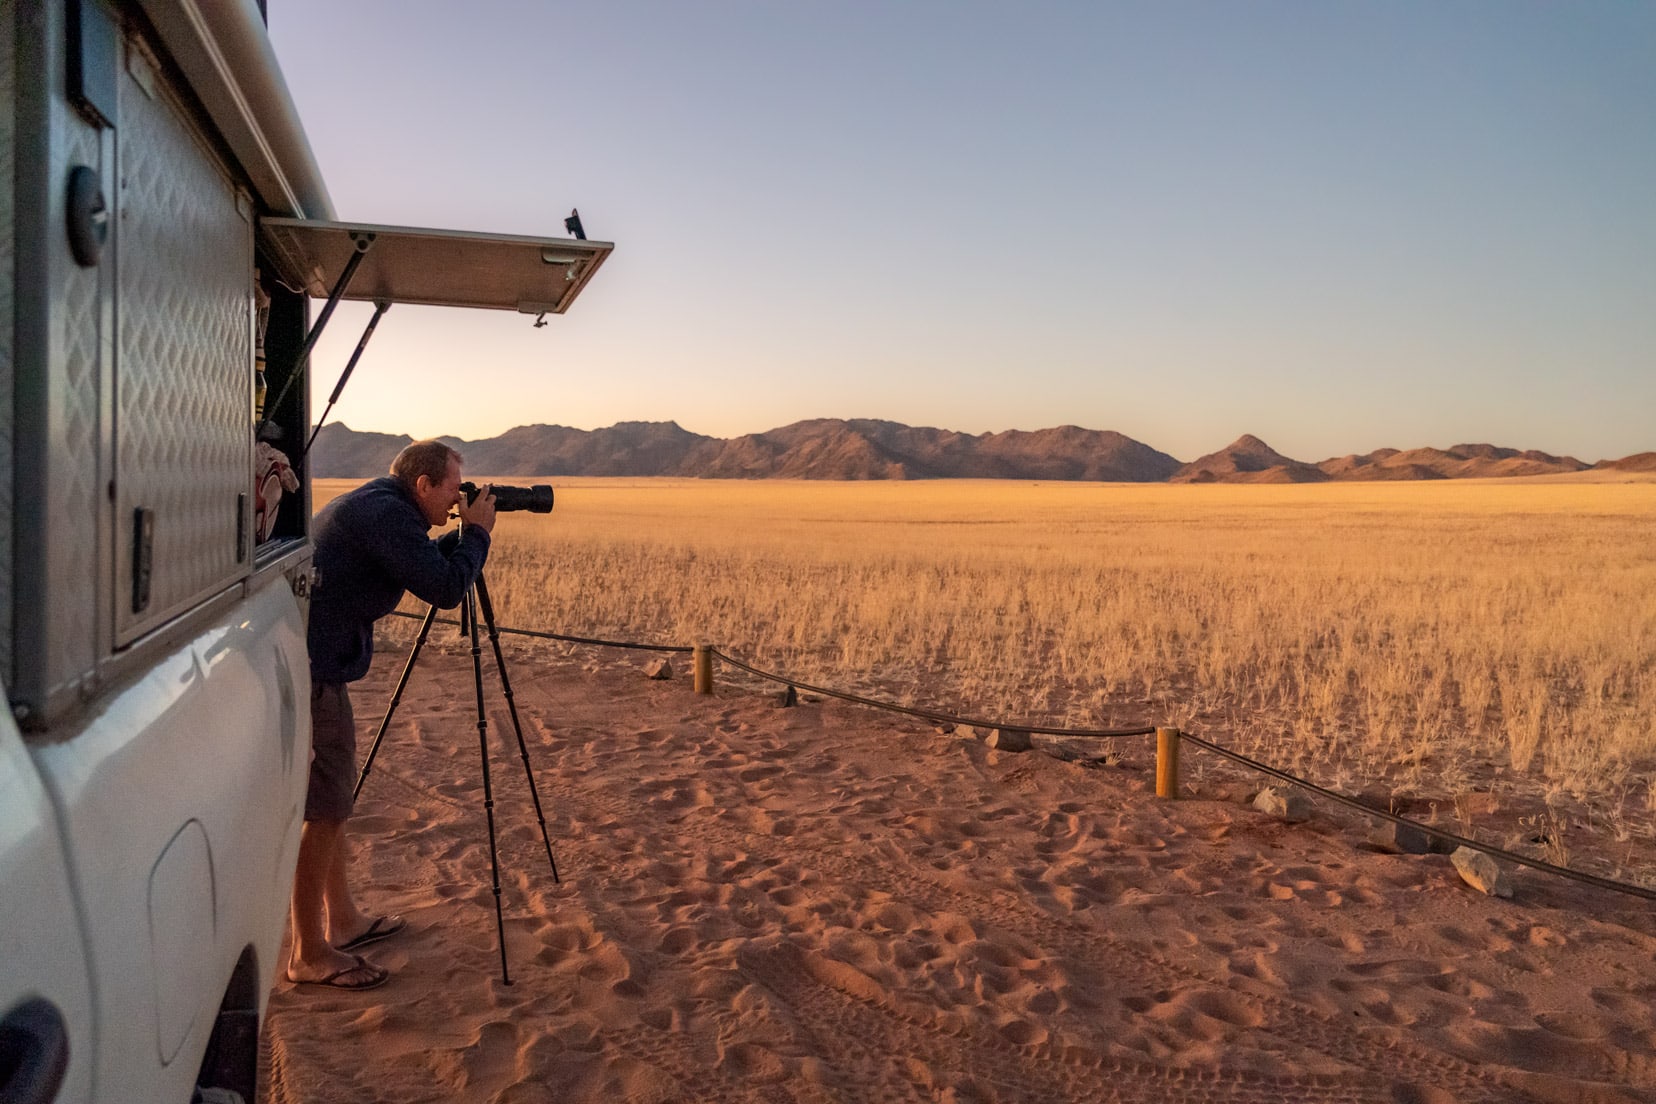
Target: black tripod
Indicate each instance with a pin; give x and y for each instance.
(477, 598)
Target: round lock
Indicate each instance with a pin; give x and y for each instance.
(88, 216)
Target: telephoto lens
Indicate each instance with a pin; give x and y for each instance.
(536, 499)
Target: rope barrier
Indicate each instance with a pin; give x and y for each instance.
(938, 717)
(1237, 757)
(932, 715)
(637, 647)
(1438, 833)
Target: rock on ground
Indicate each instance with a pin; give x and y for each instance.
(1481, 872)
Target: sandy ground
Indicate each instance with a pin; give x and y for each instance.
(827, 903)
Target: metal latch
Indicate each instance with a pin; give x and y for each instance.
(143, 556)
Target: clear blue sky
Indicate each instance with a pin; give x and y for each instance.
(1336, 225)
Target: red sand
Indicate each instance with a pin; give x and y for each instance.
(828, 903)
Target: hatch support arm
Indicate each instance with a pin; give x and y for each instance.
(380, 307)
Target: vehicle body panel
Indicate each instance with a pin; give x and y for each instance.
(191, 781)
(42, 959)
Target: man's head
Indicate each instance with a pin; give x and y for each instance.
(431, 472)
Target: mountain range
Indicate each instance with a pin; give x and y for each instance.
(865, 448)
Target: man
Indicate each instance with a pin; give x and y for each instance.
(372, 544)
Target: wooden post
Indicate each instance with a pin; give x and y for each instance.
(1167, 762)
(702, 657)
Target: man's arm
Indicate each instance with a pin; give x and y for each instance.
(435, 575)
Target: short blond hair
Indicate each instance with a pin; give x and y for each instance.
(429, 458)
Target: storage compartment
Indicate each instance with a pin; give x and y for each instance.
(282, 421)
(129, 417)
(184, 377)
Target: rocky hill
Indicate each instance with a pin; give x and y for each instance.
(342, 452)
(820, 449)
(1248, 460)
(866, 448)
(1460, 462)
(1638, 462)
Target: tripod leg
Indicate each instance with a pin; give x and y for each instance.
(488, 792)
(396, 697)
(487, 609)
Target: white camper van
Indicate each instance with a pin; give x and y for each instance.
(165, 230)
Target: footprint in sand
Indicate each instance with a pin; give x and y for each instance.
(751, 1063)
(480, 1068)
(1582, 1028)
(1633, 1004)
(678, 939)
(1021, 1032)
(494, 1048)
(1205, 1015)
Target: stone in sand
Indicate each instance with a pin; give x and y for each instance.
(1399, 839)
(788, 698)
(1009, 739)
(1069, 751)
(1440, 846)
(660, 669)
(1481, 872)
(1291, 805)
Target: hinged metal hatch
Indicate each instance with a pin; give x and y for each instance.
(445, 268)
(440, 268)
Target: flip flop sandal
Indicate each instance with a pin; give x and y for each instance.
(336, 980)
(383, 927)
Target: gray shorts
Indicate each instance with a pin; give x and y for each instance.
(333, 767)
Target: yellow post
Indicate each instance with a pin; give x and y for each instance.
(703, 661)
(1167, 762)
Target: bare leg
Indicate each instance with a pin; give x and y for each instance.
(313, 957)
(344, 920)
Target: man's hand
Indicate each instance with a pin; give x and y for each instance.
(480, 511)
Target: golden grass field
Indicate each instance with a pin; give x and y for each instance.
(1472, 645)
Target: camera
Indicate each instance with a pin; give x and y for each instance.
(536, 499)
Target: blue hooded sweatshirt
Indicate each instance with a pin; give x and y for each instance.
(372, 544)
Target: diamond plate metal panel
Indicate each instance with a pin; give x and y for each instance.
(61, 355)
(8, 262)
(73, 503)
(183, 412)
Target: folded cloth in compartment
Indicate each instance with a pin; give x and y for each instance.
(272, 474)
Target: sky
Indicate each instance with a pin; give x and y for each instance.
(1338, 226)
